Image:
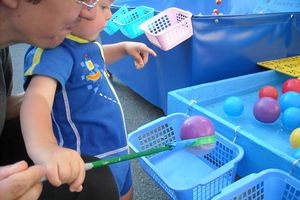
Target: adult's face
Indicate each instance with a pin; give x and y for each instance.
(47, 23)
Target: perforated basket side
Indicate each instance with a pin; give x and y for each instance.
(129, 22)
(176, 35)
(169, 28)
(152, 135)
(157, 133)
(269, 184)
(111, 26)
(225, 158)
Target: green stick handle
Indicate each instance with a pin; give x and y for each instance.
(180, 144)
(171, 146)
(101, 163)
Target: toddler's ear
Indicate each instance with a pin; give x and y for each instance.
(13, 4)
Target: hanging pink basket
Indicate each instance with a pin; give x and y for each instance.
(169, 28)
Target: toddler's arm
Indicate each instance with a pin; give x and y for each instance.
(139, 52)
(62, 165)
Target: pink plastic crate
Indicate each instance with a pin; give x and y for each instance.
(168, 28)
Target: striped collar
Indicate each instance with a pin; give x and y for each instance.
(77, 39)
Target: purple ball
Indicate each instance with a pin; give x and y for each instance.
(266, 110)
(195, 127)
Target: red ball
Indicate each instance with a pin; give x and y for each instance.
(218, 1)
(215, 12)
(268, 91)
(292, 84)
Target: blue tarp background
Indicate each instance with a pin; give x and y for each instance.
(227, 7)
(222, 46)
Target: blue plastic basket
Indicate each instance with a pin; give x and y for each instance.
(270, 184)
(111, 27)
(181, 174)
(129, 22)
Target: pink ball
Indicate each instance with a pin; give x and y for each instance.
(198, 126)
(266, 110)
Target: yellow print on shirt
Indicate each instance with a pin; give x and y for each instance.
(95, 74)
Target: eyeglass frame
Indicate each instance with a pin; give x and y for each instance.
(89, 6)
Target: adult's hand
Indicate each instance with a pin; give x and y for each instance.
(18, 181)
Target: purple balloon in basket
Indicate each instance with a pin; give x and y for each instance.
(266, 110)
(198, 126)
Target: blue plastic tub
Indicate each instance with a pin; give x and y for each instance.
(259, 140)
(129, 22)
(270, 184)
(181, 174)
(111, 27)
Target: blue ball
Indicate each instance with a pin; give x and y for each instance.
(291, 118)
(289, 99)
(233, 106)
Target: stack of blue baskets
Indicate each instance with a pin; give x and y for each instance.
(128, 21)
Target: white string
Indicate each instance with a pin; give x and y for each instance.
(192, 102)
(236, 131)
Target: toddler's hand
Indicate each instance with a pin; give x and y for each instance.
(139, 52)
(63, 166)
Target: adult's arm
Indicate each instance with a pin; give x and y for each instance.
(13, 102)
(14, 105)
